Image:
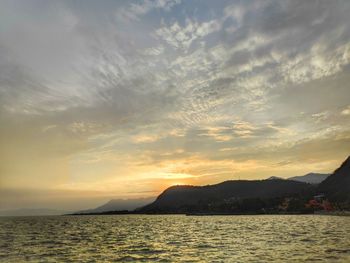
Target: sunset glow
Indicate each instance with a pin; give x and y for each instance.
(123, 99)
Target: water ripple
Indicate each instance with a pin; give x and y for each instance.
(127, 238)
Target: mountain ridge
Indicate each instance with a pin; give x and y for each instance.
(180, 199)
(311, 178)
(271, 195)
(119, 205)
(337, 185)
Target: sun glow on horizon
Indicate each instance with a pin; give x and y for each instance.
(126, 98)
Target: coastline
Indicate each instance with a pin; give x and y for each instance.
(334, 213)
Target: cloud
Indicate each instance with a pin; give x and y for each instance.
(181, 38)
(113, 92)
(346, 111)
(321, 116)
(134, 11)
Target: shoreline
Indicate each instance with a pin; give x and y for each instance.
(334, 213)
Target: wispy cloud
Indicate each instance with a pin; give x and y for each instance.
(112, 92)
(134, 11)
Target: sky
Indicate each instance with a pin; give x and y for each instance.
(122, 99)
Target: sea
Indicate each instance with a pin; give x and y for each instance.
(175, 238)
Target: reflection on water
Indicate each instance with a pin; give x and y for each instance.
(175, 238)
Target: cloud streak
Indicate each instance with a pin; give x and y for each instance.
(159, 92)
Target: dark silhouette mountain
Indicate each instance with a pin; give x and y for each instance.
(311, 178)
(229, 196)
(119, 205)
(337, 185)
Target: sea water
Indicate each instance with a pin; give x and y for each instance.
(175, 238)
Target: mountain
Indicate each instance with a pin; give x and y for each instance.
(31, 212)
(337, 185)
(119, 205)
(228, 196)
(311, 178)
(275, 178)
